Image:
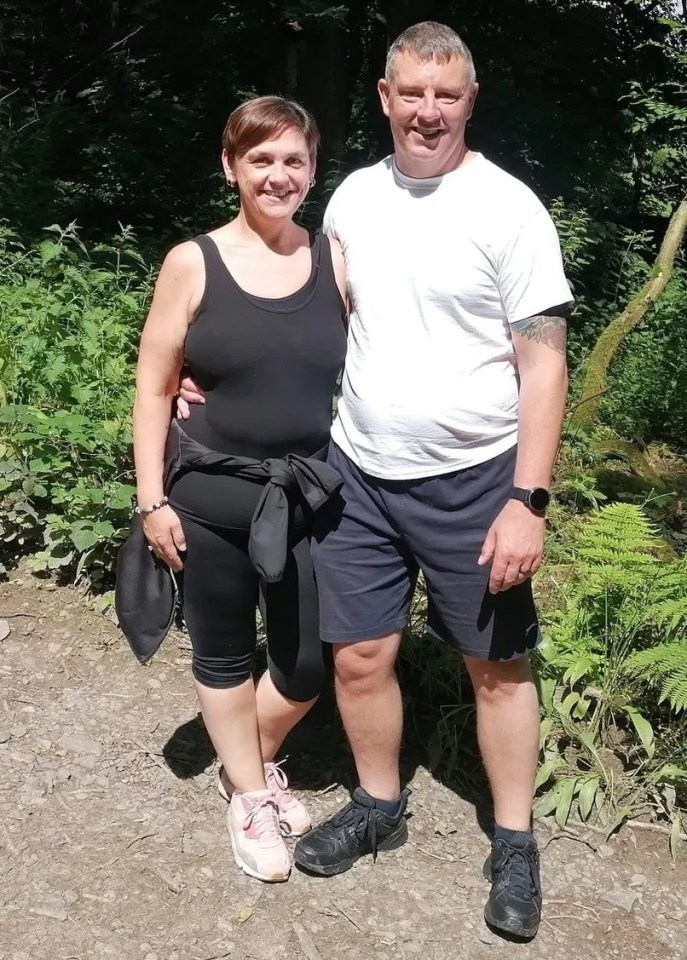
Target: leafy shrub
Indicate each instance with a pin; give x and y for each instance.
(605, 263)
(70, 319)
(646, 397)
(611, 748)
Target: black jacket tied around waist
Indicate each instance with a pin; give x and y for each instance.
(145, 589)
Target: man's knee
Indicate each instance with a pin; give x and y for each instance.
(364, 664)
(499, 681)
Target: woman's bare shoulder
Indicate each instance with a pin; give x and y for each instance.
(184, 258)
(181, 280)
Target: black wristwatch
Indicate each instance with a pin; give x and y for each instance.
(536, 498)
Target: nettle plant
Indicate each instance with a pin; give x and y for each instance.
(70, 319)
(613, 678)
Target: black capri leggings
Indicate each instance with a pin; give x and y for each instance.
(221, 591)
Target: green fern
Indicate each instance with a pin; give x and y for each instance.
(664, 665)
(619, 534)
(627, 603)
(614, 652)
(670, 612)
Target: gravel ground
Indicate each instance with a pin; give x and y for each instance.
(113, 844)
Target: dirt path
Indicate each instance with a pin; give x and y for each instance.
(112, 838)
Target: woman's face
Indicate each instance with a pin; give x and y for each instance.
(273, 177)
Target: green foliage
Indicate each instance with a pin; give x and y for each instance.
(69, 324)
(610, 748)
(665, 665)
(605, 263)
(646, 397)
(439, 705)
(658, 126)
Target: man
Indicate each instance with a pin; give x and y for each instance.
(446, 433)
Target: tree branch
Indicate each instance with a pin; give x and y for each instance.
(608, 344)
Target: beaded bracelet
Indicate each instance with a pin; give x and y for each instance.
(156, 506)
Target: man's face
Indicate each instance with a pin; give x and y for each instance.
(428, 105)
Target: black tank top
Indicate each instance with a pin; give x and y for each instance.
(268, 367)
(269, 370)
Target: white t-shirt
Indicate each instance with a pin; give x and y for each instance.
(438, 269)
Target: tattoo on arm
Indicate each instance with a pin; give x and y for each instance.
(545, 328)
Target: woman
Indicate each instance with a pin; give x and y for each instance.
(256, 310)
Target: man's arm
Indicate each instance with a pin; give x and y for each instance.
(540, 349)
(515, 542)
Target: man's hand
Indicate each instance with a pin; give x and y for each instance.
(514, 545)
(188, 393)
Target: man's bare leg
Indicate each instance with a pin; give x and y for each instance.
(369, 700)
(508, 734)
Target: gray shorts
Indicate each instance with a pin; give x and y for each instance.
(369, 545)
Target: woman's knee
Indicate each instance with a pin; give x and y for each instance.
(303, 684)
(302, 688)
(223, 672)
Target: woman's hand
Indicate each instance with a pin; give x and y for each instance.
(164, 533)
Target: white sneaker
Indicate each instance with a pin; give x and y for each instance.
(256, 840)
(294, 819)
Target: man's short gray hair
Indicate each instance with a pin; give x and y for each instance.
(429, 41)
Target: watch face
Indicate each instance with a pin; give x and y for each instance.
(539, 499)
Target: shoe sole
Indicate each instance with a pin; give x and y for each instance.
(277, 878)
(511, 926)
(392, 842)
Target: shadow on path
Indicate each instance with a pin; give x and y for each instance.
(439, 733)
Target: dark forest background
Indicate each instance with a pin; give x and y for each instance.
(112, 111)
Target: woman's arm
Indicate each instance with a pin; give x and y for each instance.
(339, 265)
(177, 295)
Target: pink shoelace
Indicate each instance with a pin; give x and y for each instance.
(283, 793)
(262, 820)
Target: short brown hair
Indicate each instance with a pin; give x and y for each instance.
(429, 41)
(264, 118)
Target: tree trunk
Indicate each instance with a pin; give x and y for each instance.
(608, 344)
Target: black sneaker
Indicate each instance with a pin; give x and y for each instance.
(360, 828)
(514, 904)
